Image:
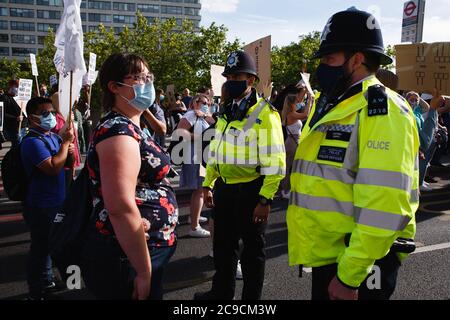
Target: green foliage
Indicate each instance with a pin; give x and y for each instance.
(289, 61)
(11, 69)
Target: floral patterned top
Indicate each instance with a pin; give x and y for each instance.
(156, 201)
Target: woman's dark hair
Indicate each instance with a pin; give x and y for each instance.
(34, 103)
(115, 68)
(290, 89)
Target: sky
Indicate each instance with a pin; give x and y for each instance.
(285, 20)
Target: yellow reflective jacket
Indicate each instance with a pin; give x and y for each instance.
(242, 151)
(355, 172)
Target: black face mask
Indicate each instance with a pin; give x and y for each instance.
(235, 89)
(333, 80)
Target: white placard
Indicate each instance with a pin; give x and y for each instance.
(25, 89)
(53, 80)
(34, 69)
(92, 64)
(217, 79)
(64, 91)
(305, 81)
(1, 116)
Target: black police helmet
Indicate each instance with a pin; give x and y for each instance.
(353, 30)
(240, 62)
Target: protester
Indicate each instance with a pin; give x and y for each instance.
(187, 97)
(354, 179)
(246, 177)
(78, 124)
(294, 112)
(12, 114)
(195, 121)
(43, 155)
(156, 123)
(131, 237)
(427, 130)
(43, 91)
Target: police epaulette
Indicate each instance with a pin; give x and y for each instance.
(377, 101)
(271, 105)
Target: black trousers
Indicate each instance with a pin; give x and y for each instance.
(389, 265)
(234, 207)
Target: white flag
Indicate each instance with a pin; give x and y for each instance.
(69, 39)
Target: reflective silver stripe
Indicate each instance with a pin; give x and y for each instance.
(272, 149)
(352, 155)
(415, 196)
(381, 219)
(416, 164)
(323, 171)
(254, 116)
(268, 171)
(382, 178)
(322, 204)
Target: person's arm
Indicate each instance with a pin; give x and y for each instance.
(120, 162)
(271, 153)
(186, 125)
(158, 126)
(53, 165)
(424, 106)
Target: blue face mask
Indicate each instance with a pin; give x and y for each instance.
(299, 106)
(204, 108)
(161, 98)
(47, 122)
(144, 95)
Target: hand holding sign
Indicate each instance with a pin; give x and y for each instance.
(267, 89)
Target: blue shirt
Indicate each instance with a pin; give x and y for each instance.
(44, 191)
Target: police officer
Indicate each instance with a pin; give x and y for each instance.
(355, 176)
(246, 164)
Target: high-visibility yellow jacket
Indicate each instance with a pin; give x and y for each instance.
(243, 151)
(355, 172)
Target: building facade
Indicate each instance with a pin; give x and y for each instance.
(24, 23)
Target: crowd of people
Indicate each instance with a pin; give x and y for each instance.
(350, 159)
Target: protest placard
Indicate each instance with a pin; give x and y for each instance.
(217, 80)
(261, 51)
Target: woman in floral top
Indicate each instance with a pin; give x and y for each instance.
(131, 237)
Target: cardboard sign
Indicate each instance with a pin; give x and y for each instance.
(53, 80)
(305, 81)
(217, 80)
(423, 67)
(92, 76)
(25, 89)
(1, 115)
(34, 69)
(170, 95)
(261, 51)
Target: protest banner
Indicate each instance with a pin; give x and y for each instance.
(424, 66)
(261, 51)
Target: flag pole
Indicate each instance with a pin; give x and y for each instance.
(70, 95)
(37, 86)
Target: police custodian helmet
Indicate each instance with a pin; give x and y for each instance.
(353, 30)
(240, 62)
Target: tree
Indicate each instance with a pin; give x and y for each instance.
(289, 61)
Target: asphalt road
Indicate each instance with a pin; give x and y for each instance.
(425, 275)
